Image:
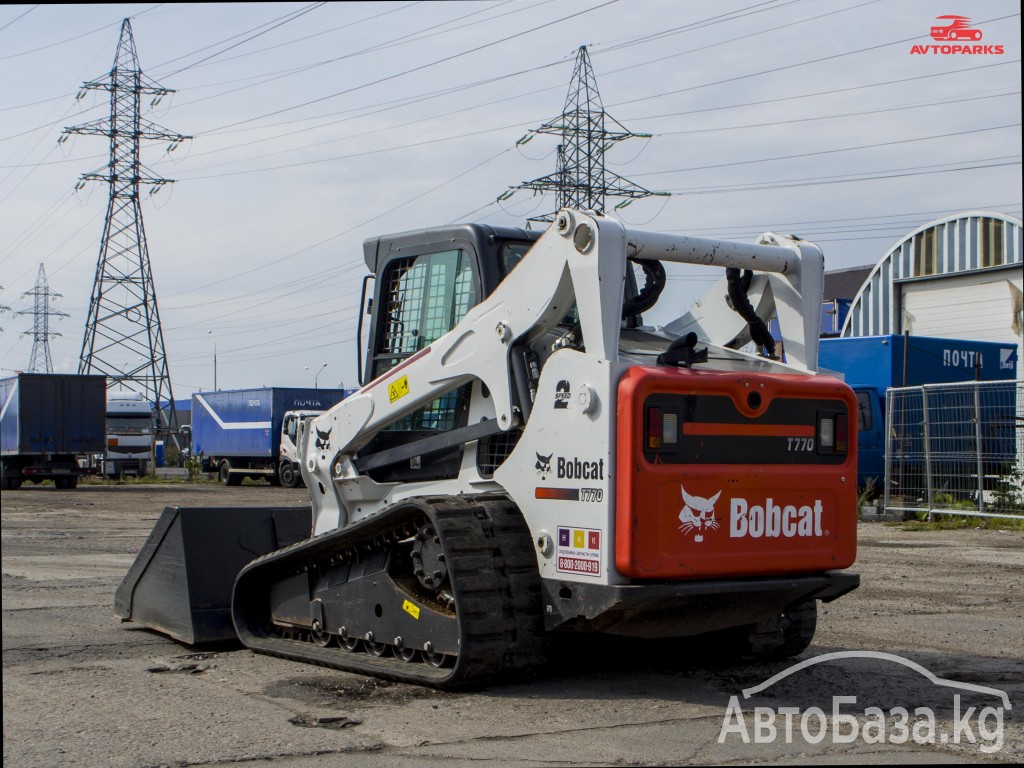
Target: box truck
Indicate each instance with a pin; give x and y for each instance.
(873, 364)
(251, 432)
(46, 422)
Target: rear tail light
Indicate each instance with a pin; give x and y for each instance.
(833, 433)
(670, 428)
(826, 433)
(654, 427)
(662, 428)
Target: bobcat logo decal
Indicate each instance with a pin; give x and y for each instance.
(544, 464)
(323, 441)
(698, 515)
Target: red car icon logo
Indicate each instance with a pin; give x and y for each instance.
(958, 28)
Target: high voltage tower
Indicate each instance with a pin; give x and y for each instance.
(123, 338)
(581, 180)
(42, 311)
(3, 308)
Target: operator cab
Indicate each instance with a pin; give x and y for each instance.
(424, 284)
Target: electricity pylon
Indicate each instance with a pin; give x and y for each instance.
(581, 180)
(42, 298)
(3, 308)
(123, 338)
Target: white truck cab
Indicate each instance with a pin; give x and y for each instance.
(288, 470)
(130, 435)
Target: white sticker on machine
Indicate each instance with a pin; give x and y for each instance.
(579, 551)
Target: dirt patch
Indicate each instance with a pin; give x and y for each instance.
(949, 602)
(350, 689)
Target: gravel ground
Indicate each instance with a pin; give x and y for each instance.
(80, 688)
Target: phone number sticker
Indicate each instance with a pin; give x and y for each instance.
(579, 551)
(577, 565)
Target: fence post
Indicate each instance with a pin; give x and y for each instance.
(978, 449)
(926, 435)
(890, 439)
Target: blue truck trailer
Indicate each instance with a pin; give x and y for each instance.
(47, 421)
(243, 433)
(873, 364)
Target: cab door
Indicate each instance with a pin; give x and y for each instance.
(420, 298)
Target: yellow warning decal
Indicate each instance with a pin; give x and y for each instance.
(398, 389)
(412, 610)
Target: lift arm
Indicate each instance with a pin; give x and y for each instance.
(582, 258)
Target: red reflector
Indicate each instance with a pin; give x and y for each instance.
(842, 435)
(654, 428)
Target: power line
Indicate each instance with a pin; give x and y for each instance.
(831, 116)
(795, 65)
(484, 131)
(829, 92)
(419, 68)
(869, 176)
(18, 17)
(263, 29)
(835, 151)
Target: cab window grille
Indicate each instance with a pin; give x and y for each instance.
(423, 298)
(492, 451)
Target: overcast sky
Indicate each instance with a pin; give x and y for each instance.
(318, 125)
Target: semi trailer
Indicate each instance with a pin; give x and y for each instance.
(47, 422)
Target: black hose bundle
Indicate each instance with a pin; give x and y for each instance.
(738, 287)
(654, 284)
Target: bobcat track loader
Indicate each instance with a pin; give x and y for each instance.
(527, 458)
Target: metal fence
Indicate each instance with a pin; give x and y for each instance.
(955, 449)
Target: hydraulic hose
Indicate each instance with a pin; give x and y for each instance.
(738, 287)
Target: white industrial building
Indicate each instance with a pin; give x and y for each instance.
(959, 277)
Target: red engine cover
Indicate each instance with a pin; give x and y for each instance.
(739, 479)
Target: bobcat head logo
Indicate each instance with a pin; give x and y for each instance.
(544, 464)
(323, 440)
(698, 515)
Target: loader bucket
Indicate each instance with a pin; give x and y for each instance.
(181, 582)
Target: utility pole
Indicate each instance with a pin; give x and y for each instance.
(123, 337)
(42, 296)
(586, 132)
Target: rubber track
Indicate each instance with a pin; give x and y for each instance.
(493, 569)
